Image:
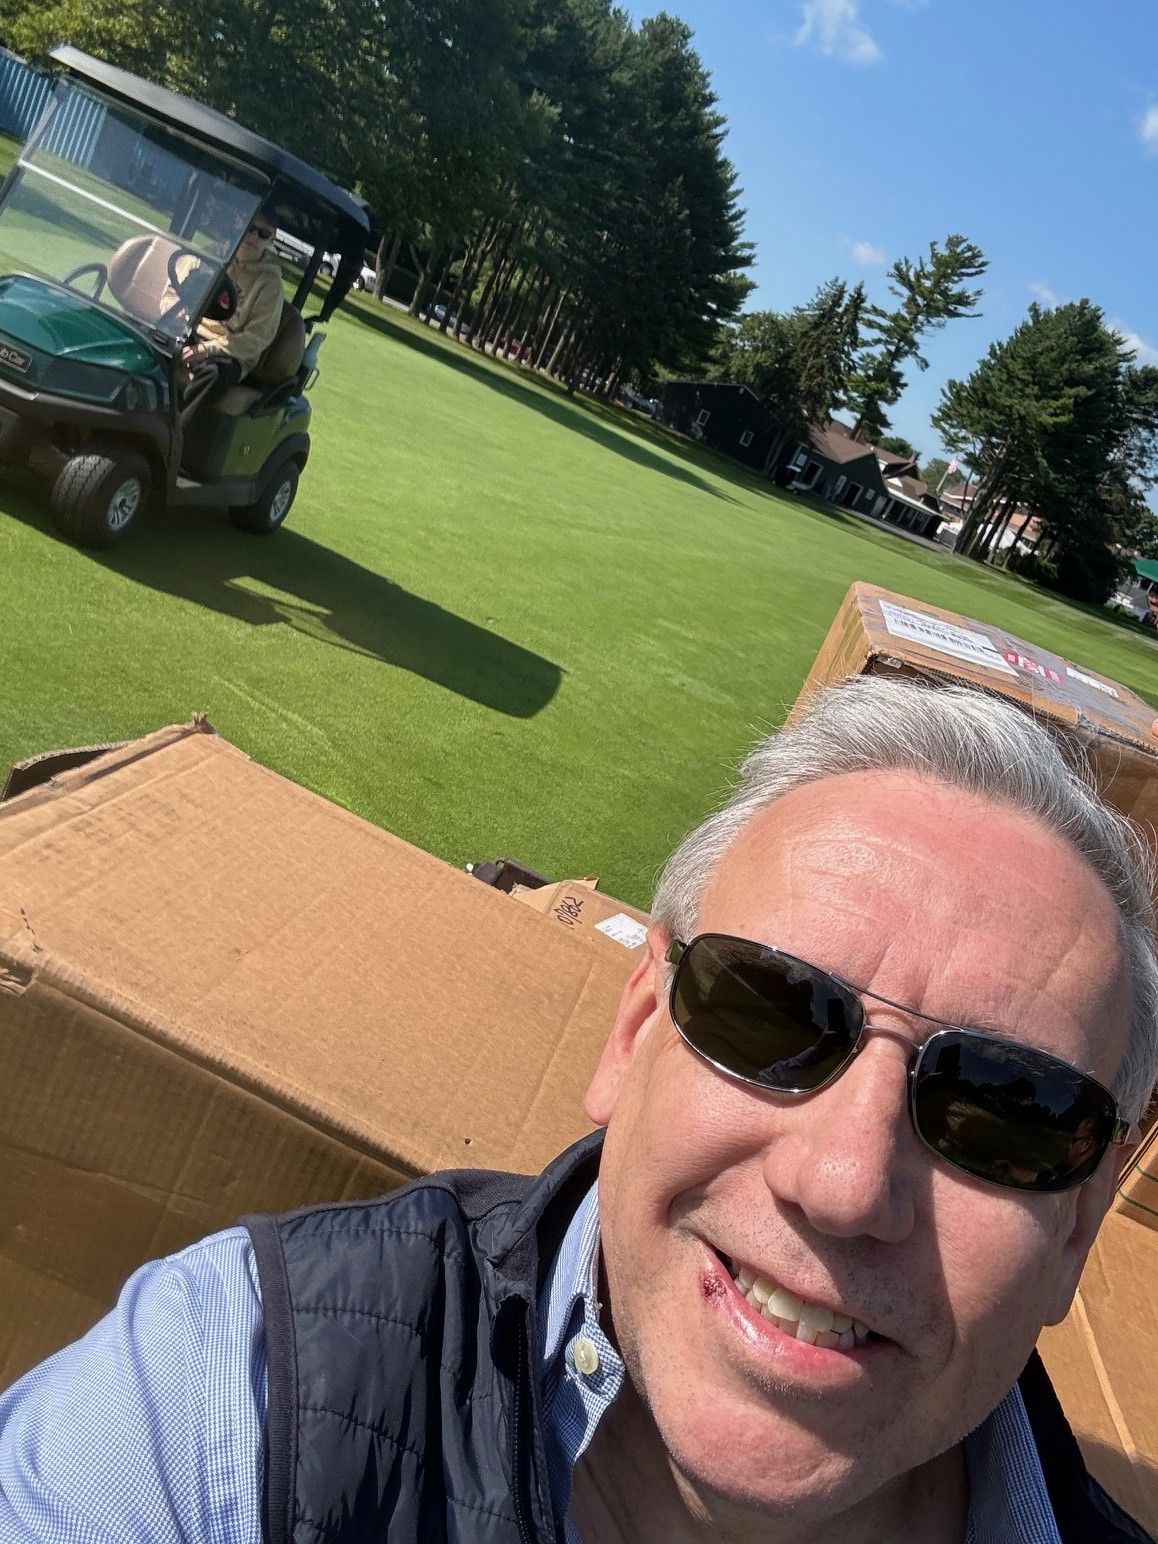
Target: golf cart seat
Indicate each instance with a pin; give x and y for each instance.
(139, 275)
(277, 367)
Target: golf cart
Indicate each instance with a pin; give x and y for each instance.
(117, 226)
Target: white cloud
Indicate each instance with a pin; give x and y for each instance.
(1144, 353)
(834, 28)
(1043, 293)
(1148, 129)
(867, 255)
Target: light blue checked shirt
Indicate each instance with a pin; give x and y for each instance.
(150, 1429)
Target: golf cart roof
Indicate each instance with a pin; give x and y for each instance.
(327, 215)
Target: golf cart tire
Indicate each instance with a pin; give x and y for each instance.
(99, 496)
(273, 503)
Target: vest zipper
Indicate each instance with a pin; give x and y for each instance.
(521, 1369)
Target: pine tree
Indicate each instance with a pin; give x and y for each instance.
(932, 291)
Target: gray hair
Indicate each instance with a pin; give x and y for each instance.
(967, 739)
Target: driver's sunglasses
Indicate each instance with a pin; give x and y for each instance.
(264, 232)
(1001, 1111)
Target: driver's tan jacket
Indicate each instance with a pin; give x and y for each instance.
(253, 326)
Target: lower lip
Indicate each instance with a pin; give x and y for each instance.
(817, 1362)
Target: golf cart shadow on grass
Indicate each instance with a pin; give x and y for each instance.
(301, 584)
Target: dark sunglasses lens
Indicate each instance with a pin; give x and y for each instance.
(1009, 1114)
(763, 1016)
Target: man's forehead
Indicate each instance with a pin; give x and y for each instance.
(863, 825)
(933, 894)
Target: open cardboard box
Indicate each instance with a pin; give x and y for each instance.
(221, 993)
(1103, 1359)
(879, 633)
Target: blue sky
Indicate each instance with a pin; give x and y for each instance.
(862, 129)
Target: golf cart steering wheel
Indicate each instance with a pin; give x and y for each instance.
(182, 284)
(99, 269)
(223, 301)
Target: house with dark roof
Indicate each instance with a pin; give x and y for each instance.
(834, 466)
(729, 418)
(829, 463)
(863, 478)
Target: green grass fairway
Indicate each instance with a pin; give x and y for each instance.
(498, 622)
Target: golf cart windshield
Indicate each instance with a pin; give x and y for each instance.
(124, 210)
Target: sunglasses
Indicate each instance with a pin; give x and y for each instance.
(1002, 1112)
(262, 231)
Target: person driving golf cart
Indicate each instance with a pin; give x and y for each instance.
(222, 353)
(138, 289)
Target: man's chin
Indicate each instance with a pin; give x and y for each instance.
(772, 1467)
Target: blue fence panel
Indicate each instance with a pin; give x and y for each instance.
(74, 130)
(24, 93)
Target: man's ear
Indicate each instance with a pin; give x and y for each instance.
(637, 1008)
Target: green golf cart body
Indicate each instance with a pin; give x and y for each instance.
(118, 223)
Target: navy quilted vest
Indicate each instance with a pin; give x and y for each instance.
(403, 1396)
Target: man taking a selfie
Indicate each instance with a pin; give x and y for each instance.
(861, 1113)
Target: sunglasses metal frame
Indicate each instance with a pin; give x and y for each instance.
(677, 951)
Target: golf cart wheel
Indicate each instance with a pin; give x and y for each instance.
(100, 495)
(272, 504)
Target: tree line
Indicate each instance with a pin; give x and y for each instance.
(559, 170)
(560, 174)
(1058, 419)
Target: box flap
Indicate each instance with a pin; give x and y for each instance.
(1101, 1361)
(1138, 1191)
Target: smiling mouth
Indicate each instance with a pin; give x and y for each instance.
(809, 1322)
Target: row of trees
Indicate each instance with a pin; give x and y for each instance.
(841, 352)
(560, 174)
(558, 171)
(1059, 419)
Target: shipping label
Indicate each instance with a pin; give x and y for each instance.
(943, 637)
(624, 929)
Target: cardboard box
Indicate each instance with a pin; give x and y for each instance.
(1138, 1192)
(220, 993)
(877, 632)
(579, 906)
(1102, 1359)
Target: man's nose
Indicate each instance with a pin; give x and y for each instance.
(847, 1157)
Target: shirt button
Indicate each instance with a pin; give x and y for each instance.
(586, 1356)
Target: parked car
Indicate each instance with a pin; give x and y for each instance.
(641, 404)
(300, 253)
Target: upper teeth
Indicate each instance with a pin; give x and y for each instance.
(807, 1321)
